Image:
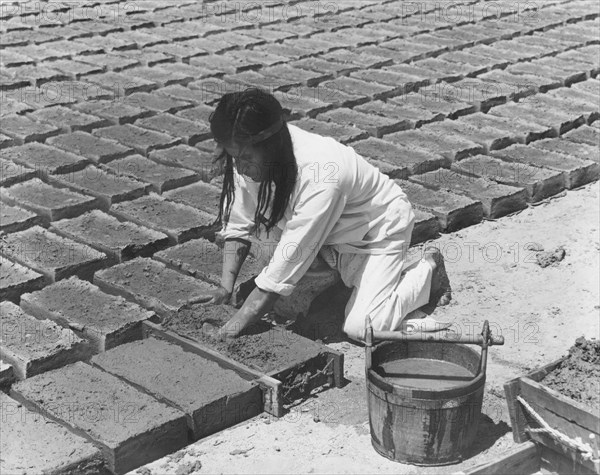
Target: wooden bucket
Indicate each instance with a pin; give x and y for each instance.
(422, 415)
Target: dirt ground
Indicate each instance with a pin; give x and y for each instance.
(495, 276)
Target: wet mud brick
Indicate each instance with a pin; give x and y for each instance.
(517, 130)
(45, 160)
(68, 120)
(121, 83)
(34, 346)
(578, 150)
(119, 240)
(49, 202)
(156, 102)
(191, 158)
(497, 199)
(204, 260)
(13, 219)
(191, 132)
(154, 286)
(159, 177)
(105, 320)
(105, 185)
(140, 139)
(301, 102)
(91, 147)
(405, 161)
(203, 196)
(16, 279)
(28, 443)
(180, 222)
(453, 211)
(130, 427)
(575, 171)
(540, 183)
(116, 112)
(24, 130)
(554, 118)
(449, 146)
(52, 255)
(212, 397)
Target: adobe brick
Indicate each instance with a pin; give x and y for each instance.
(301, 102)
(567, 147)
(540, 69)
(6, 141)
(522, 131)
(589, 103)
(152, 285)
(430, 100)
(33, 75)
(580, 113)
(156, 102)
(405, 160)
(7, 378)
(426, 227)
(426, 75)
(585, 135)
(225, 63)
(374, 125)
(48, 202)
(485, 63)
(570, 66)
(215, 398)
(190, 158)
(406, 50)
(203, 196)
(68, 120)
(105, 185)
(200, 114)
(134, 429)
(409, 117)
(357, 87)
(489, 138)
(13, 218)
(141, 140)
(16, 279)
(76, 69)
(576, 172)
(24, 130)
(554, 119)
(160, 177)
(122, 82)
(105, 320)
(111, 62)
(453, 211)
(189, 131)
(319, 65)
(52, 255)
(342, 133)
(45, 160)
(119, 240)
(29, 444)
(401, 81)
(180, 222)
(498, 200)
(160, 76)
(446, 70)
(35, 346)
(11, 172)
(116, 112)
(89, 146)
(589, 87)
(540, 183)
(448, 146)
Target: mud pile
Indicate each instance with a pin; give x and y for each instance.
(578, 376)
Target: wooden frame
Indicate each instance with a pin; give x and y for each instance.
(326, 368)
(560, 412)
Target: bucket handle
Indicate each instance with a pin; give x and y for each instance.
(484, 339)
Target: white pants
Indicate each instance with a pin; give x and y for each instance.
(384, 288)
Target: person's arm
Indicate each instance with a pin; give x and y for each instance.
(235, 252)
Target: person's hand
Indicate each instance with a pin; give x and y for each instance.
(219, 297)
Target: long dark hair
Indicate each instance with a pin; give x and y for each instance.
(239, 116)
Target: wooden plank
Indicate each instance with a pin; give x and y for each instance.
(552, 462)
(518, 422)
(271, 388)
(523, 459)
(541, 373)
(571, 411)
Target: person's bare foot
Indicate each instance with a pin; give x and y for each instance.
(441, 292)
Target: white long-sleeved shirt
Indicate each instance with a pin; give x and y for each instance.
(339, 199)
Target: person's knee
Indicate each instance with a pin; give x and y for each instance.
(354, 330)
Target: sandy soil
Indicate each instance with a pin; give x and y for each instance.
(496, 276)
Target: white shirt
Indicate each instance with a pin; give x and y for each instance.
(339, 200)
